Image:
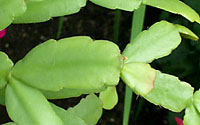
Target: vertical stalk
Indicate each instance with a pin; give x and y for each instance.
(137, 25)
(116, 25)
(60, 25)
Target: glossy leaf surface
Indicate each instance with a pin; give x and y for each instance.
(170, 92)
(73, 63)
(67, 117)
(9, 10)
(5, 67)
(109, 98)
(27, 106)
(43, 10)
(192, 116)
(175, 6)
(186, 33)
(128, 5)
(157, 42)
(139, 77)
(89, 109)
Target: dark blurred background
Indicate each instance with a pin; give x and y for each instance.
(97, 22)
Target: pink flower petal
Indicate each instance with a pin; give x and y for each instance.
(178, 121)
(2, 33)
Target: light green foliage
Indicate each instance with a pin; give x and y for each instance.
(170, 92)
(175, 6)
(192, 113)
(5, 66)
(139, 77)
(9, 10)
(196, 100)
(68, 93)
(157, 42)
(89, 109)
(73, 63)
(109, 98)
(43, 10)
(27, 105)
(186, 33)
(128, 5)
(67, 117)
(9, 123)
(192, 116)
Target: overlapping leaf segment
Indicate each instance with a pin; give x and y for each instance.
(78, 65)
(33, 11)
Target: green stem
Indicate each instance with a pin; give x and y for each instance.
(116, 25)
(137, 25)
(60, 25)
(139, 108)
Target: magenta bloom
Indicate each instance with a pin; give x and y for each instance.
(178, 121)
(2, 33)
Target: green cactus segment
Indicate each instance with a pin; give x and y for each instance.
(9, 123)
(5, 66)
(170, 92)
(67, 117)
(192, 116)
(127, 5)
(186, 33)
(2, 96)
(89, 109)
(72, 63)
(196, 100)
(27, 105)
(43, 10)
(157, 42)
(139, 77)
(9, 10)
(175, 6)
(68, 93)
(109, 98)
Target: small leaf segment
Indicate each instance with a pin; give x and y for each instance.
(78, 65)
(34, 11)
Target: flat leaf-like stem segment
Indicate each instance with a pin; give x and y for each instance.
(9, 10)
(89, 109)
(170, 92)
(156, 42)
(27, 106)
(109, 98)
(192, 112)
(139, 77)
(186, 33)
(175, 6)
(9, 123)
(43, 10)
(72, 63)
(127, 5)
(5, 66)
(196, 100)
(192, 116)
(67, 117)
(68, 93)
